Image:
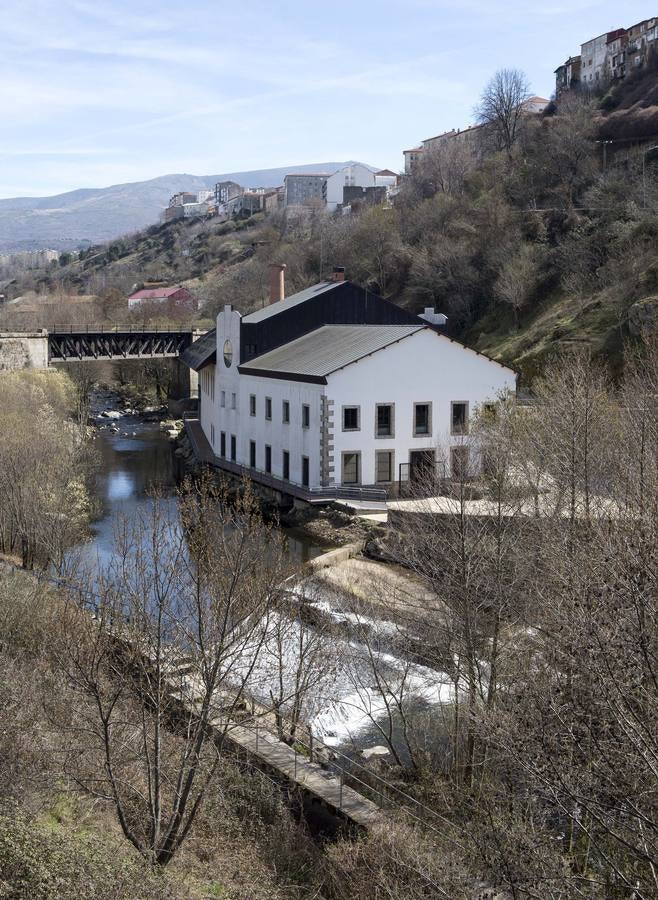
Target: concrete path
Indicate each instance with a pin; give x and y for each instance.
(310, 777)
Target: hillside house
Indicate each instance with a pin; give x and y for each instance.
(335, 389)
(470, 138)
(567, 76)
(412, 158)
(608, 57)
(354, 176)
(306, 189)
(182, 197)
(227, 190)
(176, 296)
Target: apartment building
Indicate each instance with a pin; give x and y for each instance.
(306, 189)
(609, 57)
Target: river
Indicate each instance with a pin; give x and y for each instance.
(132, 462)
(135, 456)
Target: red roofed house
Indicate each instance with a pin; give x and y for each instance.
(178, 296)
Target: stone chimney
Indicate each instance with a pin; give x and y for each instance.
(277, 282)
(338, 274)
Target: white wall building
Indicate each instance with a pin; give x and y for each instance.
(593, 59)
(367, 395)
(349, 176)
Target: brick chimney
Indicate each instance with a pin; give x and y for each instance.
(277, 282)
(338, 274)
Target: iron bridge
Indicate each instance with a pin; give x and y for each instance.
(103, 342)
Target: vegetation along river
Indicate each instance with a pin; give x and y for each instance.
(134, 457)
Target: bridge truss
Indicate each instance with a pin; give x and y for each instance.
(90, 342)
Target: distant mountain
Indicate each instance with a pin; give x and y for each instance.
(93, 215)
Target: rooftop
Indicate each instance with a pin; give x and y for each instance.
(273, 309)
(308, 175)
(327, 349)
(201, 352)
(155, 293)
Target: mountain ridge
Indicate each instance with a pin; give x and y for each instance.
(94, 215)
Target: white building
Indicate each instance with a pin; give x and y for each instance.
(594, 55)
(349, 176)
(334, 388)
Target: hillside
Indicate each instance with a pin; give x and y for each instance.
(545, 249)
(66, 221)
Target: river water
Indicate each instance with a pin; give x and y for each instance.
(347, 711)
(133, 461)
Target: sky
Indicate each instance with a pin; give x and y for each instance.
(100, 92)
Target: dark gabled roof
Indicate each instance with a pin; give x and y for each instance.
(201, 352)
(325, 350)
(260, 315)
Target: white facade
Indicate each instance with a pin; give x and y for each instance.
(349, 176)
(307, 420)
(426, 368)
(593, 59)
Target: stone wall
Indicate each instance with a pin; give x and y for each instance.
(23, 351)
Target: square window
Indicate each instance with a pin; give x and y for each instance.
(459, 418)
(422, 419)
(285, 412)
(351, 418)
(306, 416)
(383, 466)
(252, 404)
(384, 420)
(351, 467)
(268, 407)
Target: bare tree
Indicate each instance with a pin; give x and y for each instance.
(44, 504)
(180, 619)
(518, 279)
(502, 106)
(297, 666)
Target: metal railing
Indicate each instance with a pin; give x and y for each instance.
(378, 495)
(121, 329)
(367, 783)
(205, 453)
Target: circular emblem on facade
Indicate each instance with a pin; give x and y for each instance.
(228, 354)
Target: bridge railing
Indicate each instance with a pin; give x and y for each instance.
(121, 329)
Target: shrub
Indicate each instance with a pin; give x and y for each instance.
(40, 863)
